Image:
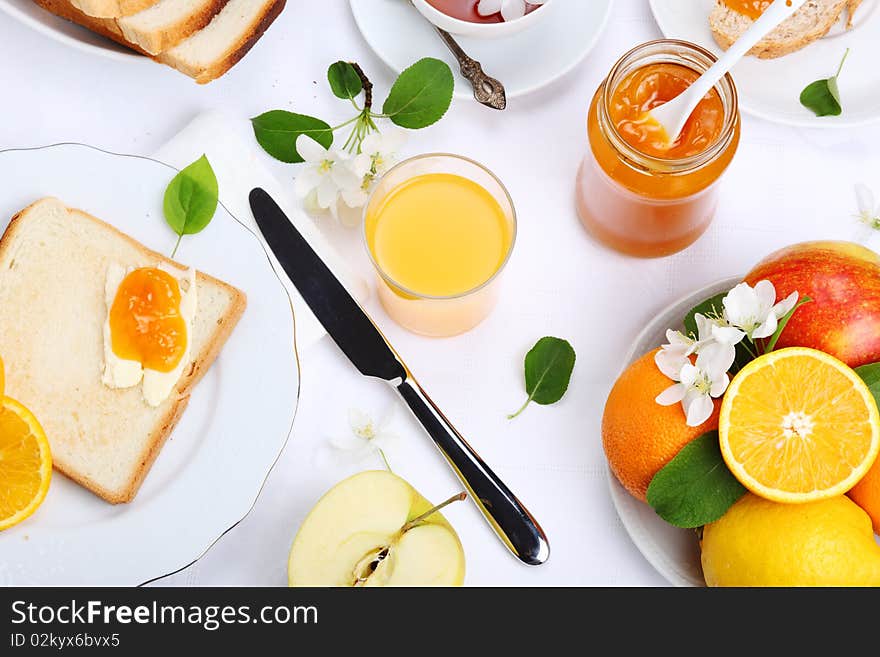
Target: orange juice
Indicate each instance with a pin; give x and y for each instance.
(437, 238)
(439, 235)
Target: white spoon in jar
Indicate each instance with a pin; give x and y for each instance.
(673, 115)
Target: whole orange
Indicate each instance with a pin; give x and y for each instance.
(639, 435)
(866, 494)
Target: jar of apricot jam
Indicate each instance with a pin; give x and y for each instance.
(637, 193)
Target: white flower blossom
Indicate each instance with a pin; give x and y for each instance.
(868, 216)
(754, 310)
(698, 383)
(326, 176)
(367, 438)
(509, 9)
(711, 332)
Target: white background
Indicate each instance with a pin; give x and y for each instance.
(785, 185)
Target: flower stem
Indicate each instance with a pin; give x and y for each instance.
(342, 125)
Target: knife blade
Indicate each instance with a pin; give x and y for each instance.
(365, 346)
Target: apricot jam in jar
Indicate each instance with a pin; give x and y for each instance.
(637, 193)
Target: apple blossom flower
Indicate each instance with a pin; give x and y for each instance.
(711, 331)
(509, 9)
(698, 383)
(869, 213)
(868, 216)
(379, 151)
(367, 438)
(327, 175)
(754, 310)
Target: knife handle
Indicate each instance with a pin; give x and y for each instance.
(513, 523)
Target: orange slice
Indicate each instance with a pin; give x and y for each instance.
(25, 463)
(798, 425)
(2, 378)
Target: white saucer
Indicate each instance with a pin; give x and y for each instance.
(771, 88)
(37, 18)
(524, 62)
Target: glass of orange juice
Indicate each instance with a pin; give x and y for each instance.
(439, 229)
(635, 192)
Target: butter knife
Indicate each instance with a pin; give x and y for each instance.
(365, 346)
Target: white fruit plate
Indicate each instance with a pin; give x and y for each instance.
(771, 88)
(210, 472)
(35, 17)
(673, 552)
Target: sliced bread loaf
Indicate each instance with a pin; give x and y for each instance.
(111, 8)
(54, 264)
(230, 29)
(809, 23)
(167, 23)
(216, 48)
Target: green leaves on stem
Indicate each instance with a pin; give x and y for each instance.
(548, 368)
(419, 98)
(191, 199)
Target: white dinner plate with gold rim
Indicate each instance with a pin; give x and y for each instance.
(673, 552)
(211, 470)
(771, 88)
(35, 17)
(524, 62)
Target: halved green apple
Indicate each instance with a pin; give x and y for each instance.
(372, 530)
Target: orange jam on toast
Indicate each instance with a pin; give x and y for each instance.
(146, 324)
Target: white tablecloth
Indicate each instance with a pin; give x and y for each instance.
(786, 185)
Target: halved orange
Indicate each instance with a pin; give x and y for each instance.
(25, 463)
(798, 425)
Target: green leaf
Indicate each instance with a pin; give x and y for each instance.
(421, 95)
(771, 344)
(695, 487)
(277, 130)
(871, 376)
(823, 96)
(191, 199)
(548, 369)
(344, 80)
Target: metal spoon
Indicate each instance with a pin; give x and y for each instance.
(487, 90)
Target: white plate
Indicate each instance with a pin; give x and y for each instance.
(771, 88)
(211, 470)
(37, 18)
(673, 552)
(524, 62)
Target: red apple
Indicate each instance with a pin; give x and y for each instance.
(843, 279)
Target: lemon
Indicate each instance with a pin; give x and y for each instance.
(762, 543)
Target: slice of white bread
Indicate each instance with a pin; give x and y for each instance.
(53, 269)
(158, 28)
(167, 23)
(111, 8)
(808, 24)
(206, 53)
(213, 50)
